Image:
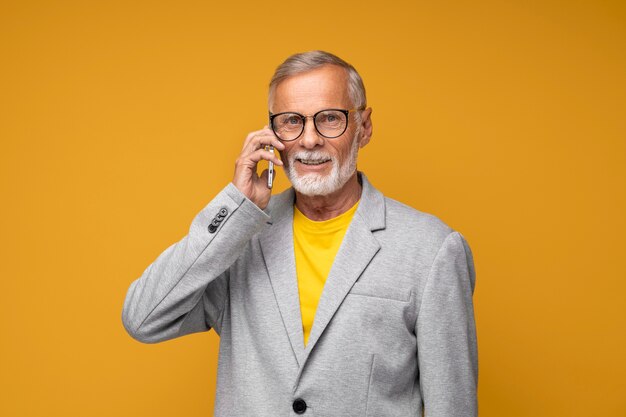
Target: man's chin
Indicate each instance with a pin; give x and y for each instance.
(312, 184)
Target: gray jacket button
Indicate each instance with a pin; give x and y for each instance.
(299, 406)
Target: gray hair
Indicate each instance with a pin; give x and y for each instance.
(307, 61)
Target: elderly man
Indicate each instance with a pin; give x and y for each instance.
(329, 298)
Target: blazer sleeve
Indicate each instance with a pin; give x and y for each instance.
(185, 289)
(446, 333)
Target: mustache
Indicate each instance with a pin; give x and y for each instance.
(311, 155)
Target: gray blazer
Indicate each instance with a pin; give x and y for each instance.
(394, 331)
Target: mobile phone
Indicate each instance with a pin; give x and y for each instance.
(270, 174)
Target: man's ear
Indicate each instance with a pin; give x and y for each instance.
(366, 127)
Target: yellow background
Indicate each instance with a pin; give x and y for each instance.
(120, 120)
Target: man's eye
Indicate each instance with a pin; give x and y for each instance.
(290, 120)
(330, 118)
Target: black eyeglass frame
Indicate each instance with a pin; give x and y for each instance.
(313, 116)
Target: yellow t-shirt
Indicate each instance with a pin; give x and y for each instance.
(315, 246)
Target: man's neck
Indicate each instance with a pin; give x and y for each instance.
(324, 207)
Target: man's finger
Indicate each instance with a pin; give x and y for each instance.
(262, 140)
(259, 154)
(252, 135)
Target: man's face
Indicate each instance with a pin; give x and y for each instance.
(316, 165)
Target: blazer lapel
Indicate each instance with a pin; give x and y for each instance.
(358, 248)
(356, 251)
(277, 248)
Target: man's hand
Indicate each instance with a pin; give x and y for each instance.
(246, 179)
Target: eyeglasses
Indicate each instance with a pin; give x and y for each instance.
(330, 123)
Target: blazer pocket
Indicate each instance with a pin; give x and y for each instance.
(380, 291)
(391, 388)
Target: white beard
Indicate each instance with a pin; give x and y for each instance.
(319, 184)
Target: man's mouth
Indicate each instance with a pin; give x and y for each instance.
(312, 161)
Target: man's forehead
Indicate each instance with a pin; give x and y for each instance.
(323, 86)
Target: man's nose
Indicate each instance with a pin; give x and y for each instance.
(310, 137)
